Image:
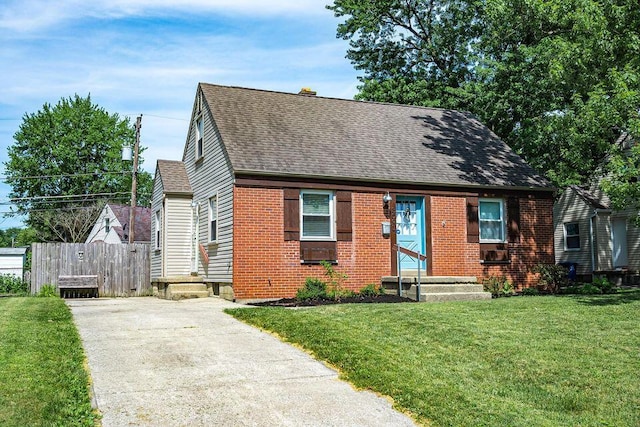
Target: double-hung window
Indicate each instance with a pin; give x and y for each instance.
(317, 211)
(199, 137)
(492, 220)
(213, 219)
(571, 236)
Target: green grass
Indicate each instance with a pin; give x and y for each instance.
(528, 361)
(43, 381)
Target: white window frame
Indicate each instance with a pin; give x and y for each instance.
(199, 129)
(503, 220)
(212, 216)
(332, 216)
(567, 235)
(158, 230)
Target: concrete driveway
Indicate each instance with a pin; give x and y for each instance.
(185, 363)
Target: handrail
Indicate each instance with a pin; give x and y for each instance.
(413, 254)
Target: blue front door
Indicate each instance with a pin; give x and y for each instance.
(410, 229)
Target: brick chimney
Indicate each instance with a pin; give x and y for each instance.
(306, 91)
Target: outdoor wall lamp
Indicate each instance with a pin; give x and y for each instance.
(387, 198)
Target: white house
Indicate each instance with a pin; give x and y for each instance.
(112, 226)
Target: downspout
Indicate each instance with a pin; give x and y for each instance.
(195, 222)
(591, 235)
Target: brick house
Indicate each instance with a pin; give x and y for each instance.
(272, 183)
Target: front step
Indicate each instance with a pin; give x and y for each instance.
(178, 291)
(179, 287)
(437, 288)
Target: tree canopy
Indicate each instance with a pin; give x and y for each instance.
(66, 162)
(559, 81)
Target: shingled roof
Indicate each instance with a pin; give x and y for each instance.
(174, 177)
(142, 222)
(275, 133)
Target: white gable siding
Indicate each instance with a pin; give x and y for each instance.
(98, 233)
(209, 176)
(572, 208)
(156, 206)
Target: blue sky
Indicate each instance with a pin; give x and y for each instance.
(147, 57)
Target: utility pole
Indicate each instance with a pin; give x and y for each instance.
(134, 181)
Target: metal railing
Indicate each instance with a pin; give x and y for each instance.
(412, 254)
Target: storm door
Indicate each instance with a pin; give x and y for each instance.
(410, 229)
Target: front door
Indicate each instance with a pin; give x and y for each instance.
(619, 237)
(410, 230)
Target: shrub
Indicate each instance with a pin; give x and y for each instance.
(498, 286)
(552, 277)
(10, 284)
(530, 292)
(313, 288)
(372, 290)
(589, 289)
(47, 291)
(605, 286)
(335, 284)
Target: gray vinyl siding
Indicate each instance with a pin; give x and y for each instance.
(177, 223)
(211, 175)
(572, 208)
(602, 230)
(156, 205)
(633, 246)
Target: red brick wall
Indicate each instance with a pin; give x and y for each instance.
(266, 266)
(452, 255)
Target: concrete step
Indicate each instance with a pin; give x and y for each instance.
(177, 291)
(447, 288)
(456, 296)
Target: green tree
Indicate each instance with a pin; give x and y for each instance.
(557, 80)
(66, 162)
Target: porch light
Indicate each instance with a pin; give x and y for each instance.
(387, 198)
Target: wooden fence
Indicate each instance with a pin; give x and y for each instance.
(122, 269)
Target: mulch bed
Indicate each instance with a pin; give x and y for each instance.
(358, 299)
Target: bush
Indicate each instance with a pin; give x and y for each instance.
(372, 290)
(10, 284)
(47, 291)
(552, 277)
(499, 286)
(530, 292)
(313, 288)
(605, 286)
(589, 289)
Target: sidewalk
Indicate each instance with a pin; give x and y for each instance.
(185, 363)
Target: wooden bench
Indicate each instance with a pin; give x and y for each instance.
(78, 286)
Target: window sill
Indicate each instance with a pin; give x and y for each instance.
(572, 250)
(332, 262)
(495, 262)
(200, 159)
(212, 242)
(157, 251)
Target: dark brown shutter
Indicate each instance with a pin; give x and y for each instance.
(513, 219)
(473, 226)
(291, 214)
(343, 214)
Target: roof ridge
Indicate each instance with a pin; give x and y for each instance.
(333, 98)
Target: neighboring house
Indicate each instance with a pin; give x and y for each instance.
(272, 183)
(112, 226)
(595, 237)
(12, 261)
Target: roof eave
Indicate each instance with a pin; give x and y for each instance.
(395, 182)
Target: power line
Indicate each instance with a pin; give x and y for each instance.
(64, 175)
(66, 196)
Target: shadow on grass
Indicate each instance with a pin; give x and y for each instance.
(624, 296)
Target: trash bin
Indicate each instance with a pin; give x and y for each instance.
(572, 268)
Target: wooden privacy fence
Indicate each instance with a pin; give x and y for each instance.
(122, 269)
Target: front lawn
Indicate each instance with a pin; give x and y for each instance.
(526, 361)
(42, 377)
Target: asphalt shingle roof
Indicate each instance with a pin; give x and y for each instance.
(142, 222)
(275, 133)
(174, 177)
